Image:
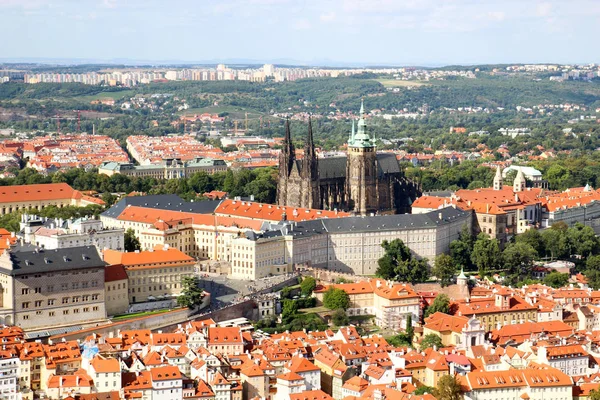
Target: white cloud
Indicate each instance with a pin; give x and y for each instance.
(328, 17)
(496, 15)
(543, 9)
(109, 3)
(301, 24)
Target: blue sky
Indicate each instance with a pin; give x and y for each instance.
(401, 32)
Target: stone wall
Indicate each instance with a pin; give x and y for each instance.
(167, 322)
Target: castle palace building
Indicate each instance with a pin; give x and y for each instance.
(362, 182)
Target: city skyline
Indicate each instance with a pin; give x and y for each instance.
(339, 33)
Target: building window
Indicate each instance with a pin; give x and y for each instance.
(65, 312)
(51, 314)
(65, 300)
(25, 304)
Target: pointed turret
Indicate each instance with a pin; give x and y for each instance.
(351, 139)
(310, 156)
(498, 179)
(288, 154)
(362, 138)
(310, 190)
(519, 183)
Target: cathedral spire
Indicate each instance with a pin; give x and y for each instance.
(309, 139)
(288, 154)
(352, 134)
(362, 138)
(310, 167)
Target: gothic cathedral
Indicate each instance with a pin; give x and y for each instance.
(363, 182)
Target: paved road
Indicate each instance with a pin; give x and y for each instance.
(225, 291)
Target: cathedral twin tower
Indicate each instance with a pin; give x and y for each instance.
(363, 182)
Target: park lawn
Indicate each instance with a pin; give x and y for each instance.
(400, 83)
(139, 314)
(105, 95)
(317, 310)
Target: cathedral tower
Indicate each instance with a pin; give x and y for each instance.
(498, 179)
(287, 158)
(361, 174)
(310, 173)
(519, 183)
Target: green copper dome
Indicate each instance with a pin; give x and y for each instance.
(361, 138)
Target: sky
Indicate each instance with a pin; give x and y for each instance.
(313, 32)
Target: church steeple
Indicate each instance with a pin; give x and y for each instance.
(310, 167)
(498, 179)
(288, 153)
(519, 183)
(351, 139)
(362, 138)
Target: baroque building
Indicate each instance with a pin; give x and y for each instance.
(362, 182)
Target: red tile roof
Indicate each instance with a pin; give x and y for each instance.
(115, 272)
(268, 212)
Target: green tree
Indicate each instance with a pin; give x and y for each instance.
(532, 237)
(430, 341)
(308, 285)
(553, 245)
(594, 395)
(441, 303)
(556, 279)
(400, 340)
(518, 259)
(286, 293)
(335, 299)
(444, 269)
(191, 293)
(289, 311)
(584, 240)
(398, 263)
(131, 242)
(410, 331)
(340, 318)
(448, 388)
(461, 248)
(109, 199)
(592, 272)
(421, 390)
(486, 254)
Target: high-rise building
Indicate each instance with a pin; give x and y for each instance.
(269, 70)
